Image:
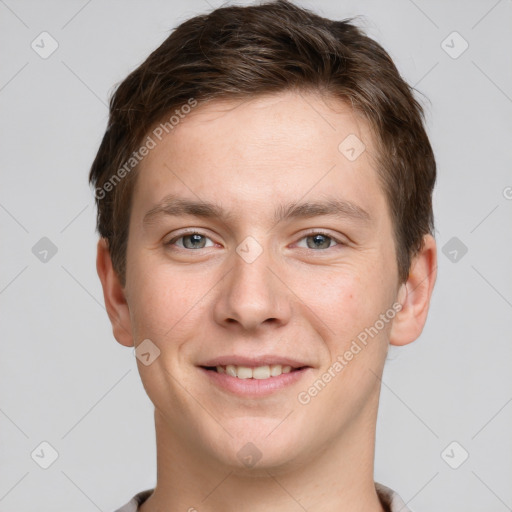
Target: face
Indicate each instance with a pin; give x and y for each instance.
(253, 297)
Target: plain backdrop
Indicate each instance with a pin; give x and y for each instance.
(65, 381)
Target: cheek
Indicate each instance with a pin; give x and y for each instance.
(346, 306)
(168, 305)
(346, 300)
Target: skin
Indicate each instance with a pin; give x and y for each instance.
(293, 300)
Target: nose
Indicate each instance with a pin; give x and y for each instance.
(251, 296)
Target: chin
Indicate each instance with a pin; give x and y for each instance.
(258, 447)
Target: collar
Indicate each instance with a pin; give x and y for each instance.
(390, 500)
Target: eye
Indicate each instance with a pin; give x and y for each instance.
(195, 240)
(191, 240)
(317, 240)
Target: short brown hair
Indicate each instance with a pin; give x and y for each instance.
(240, 52)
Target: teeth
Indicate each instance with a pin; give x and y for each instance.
(231, 370)
(244, 372)
(275, 370)
(260, 372)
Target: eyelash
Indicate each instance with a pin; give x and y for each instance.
(306, 235)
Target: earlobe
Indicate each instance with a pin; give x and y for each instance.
(415, 294)
(114, 296)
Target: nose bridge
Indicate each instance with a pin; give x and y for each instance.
(251, 293)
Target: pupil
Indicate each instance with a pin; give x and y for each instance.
(320, 240)
(195, 238)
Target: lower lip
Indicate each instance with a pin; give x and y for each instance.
(255, 387)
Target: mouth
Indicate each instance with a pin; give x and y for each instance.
(267, 371)
(253, 377)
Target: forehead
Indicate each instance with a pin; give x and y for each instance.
(264, 151)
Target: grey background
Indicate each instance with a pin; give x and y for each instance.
(66, 381)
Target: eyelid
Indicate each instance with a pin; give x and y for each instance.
(310, 232)
(185, 232)
(324, 232)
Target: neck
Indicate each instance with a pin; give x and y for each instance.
(337, 477)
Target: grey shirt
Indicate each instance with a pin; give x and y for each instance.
(390, 500)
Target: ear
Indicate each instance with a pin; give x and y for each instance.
(114, 296)
(414, 295)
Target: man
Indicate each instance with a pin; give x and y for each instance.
(264, 193)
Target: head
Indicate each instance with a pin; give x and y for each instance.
(249, 113)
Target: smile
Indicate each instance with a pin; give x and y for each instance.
(258, 372)
(254, 381)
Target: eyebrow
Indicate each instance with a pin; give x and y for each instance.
(176, 206)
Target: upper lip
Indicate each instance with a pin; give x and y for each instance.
(253, 361)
